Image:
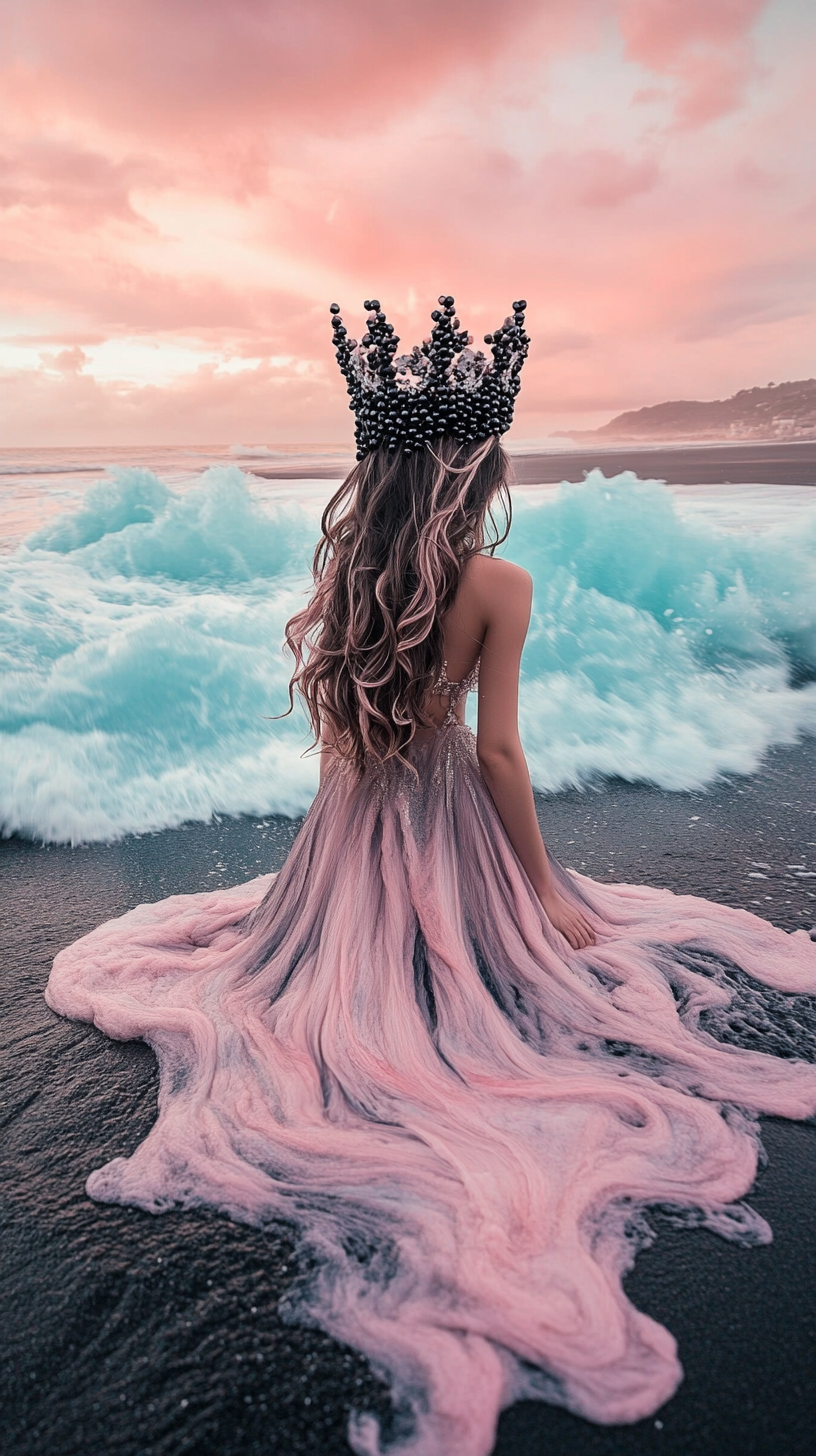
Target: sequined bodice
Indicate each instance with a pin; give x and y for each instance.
(453, 691)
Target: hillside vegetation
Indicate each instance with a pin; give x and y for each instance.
(777, 412)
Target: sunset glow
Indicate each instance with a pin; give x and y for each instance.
(185, 186)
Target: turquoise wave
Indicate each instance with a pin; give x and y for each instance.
(141, 661)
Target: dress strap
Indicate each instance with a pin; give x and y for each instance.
(453, 691)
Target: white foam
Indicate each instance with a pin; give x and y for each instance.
(141, 646)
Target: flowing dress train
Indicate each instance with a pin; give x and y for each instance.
(388, 1046)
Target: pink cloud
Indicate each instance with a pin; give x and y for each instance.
(123, 297)
(210, 406)
(200, 62)
(67, 361)
(659, 31)
(81, 186)
(703, 44)
(753, 293)
(198, 70)
(211, 174)
(603, 178)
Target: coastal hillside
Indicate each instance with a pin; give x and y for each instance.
(777, 412)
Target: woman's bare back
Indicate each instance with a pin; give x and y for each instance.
(488, 590)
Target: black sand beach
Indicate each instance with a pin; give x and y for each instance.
(783, 463)
(740, 462)
(155, 1336)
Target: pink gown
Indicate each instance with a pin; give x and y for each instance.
(389, 1047)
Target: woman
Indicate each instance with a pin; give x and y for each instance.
(458, 1070)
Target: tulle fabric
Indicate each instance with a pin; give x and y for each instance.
(388, 1046)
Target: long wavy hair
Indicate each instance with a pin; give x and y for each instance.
(395, 540)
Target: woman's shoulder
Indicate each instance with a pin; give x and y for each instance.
(494, 574)
(493, 590)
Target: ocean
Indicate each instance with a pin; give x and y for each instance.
(143, 596)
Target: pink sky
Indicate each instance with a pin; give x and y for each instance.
(185, 185)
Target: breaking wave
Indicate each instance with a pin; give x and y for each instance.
(141, 661)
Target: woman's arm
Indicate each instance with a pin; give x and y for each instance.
(506, 593)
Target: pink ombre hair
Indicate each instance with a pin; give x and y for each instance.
(395, 539)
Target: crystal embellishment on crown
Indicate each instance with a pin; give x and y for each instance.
(443, 387)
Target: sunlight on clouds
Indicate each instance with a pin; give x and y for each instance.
(137, 362)
(640, 170)
(205, 235)
(158, 363)
(18, 356)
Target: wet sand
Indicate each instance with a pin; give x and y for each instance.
(149, 1336)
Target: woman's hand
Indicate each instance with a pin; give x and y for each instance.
(565, 917)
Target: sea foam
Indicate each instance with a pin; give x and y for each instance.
(142, 666)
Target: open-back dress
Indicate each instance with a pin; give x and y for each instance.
(389, 1047)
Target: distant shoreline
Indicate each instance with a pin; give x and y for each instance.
(711, 463)
(678, 462)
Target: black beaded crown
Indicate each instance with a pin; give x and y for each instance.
(443, 387)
